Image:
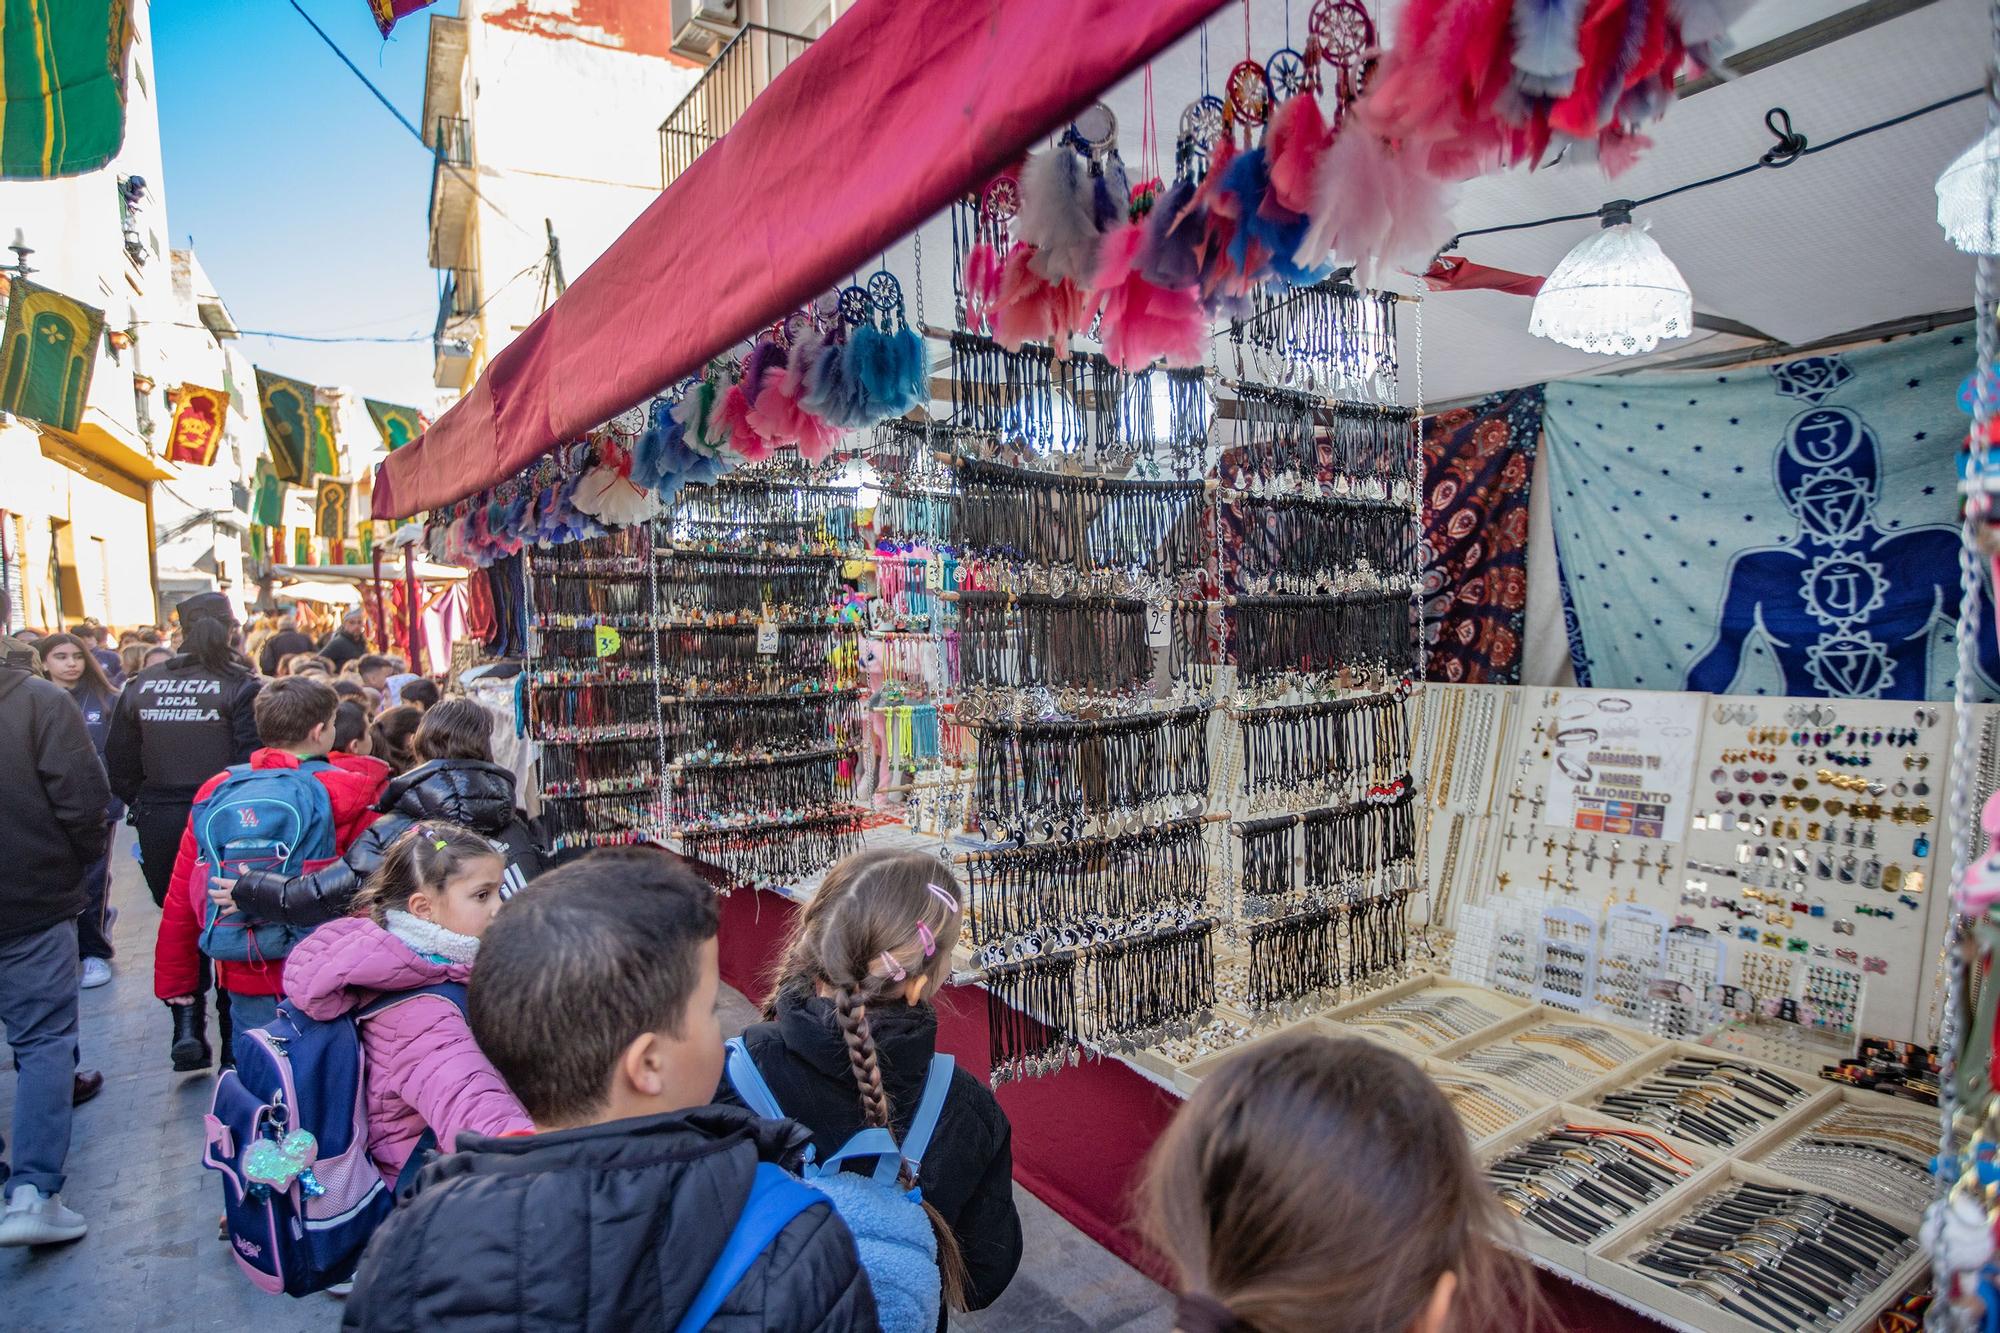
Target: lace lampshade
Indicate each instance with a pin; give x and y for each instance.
(1967, 193)
(1616, 293)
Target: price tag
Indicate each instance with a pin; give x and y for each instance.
(767, 636)
(934, 573)
(1159, 627)
(609, 641)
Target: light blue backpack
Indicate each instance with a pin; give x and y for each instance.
(892, 1233)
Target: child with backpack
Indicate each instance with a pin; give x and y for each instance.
(635, 1205)
(456, 782)
(850, 1044)
(289, 810)
(1316, 1182)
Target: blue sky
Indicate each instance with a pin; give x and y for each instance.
(305, 199)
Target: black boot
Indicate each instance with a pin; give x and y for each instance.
(190, 1049)
(225, 1029)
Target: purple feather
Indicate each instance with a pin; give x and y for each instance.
(1546, 52)
(1167, 259)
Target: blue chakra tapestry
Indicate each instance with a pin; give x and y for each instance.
(1781, 529)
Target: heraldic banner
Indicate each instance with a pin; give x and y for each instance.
(1780, 529)
(198, 425)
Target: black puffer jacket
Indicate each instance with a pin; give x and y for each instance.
(177, 725)
(607, 1228)
(468, 792)
(54, 793)
(968, 1172)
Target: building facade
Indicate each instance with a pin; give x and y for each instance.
(545, 119)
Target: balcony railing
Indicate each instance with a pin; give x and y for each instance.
(451, 146)
(744, 68)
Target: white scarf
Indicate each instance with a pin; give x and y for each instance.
(432, 940)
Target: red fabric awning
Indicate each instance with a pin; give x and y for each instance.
(896, 111)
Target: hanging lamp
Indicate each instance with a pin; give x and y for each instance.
(1616, 292)
(1966, 194)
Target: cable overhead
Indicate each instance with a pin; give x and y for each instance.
(404, 121)
(1790, 147)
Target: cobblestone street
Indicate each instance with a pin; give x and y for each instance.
(152, 1260)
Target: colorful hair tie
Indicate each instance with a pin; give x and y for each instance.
(929, 940)
(896, 972)
(944, 895)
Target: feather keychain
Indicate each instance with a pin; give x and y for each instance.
(1704, 27)
(1293, 145)
(1168, 258)
(1059, 215)
(1138, 321)
(872, 364)
(1546, 57)
(734, 414)
(1032, 309)
(982, 285)
(1375, 207)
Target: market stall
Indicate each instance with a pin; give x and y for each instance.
(1131, 571)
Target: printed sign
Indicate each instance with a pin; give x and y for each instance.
(1622, 762)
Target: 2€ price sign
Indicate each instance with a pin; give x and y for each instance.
(1159, 626)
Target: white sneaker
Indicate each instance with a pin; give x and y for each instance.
(31, 1219)
(96, 972)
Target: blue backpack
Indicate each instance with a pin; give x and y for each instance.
(275, 819)
(892, 1233)
(287, 1129)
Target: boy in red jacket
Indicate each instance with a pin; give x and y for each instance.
(295, 722)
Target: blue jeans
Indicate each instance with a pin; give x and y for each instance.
(250, 1011)
(38, 990)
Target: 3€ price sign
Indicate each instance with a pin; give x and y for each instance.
(767, 637)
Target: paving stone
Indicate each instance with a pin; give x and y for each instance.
(152, 1262)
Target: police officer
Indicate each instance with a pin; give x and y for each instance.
(178, 724)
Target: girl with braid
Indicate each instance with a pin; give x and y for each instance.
(849, 1034)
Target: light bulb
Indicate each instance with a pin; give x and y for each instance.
(1616, 293)
(1966, 195)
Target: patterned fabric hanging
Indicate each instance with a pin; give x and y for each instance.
(1477, 464)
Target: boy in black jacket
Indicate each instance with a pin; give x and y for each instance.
(594, 996)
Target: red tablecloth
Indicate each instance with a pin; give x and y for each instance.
(1079, 1137)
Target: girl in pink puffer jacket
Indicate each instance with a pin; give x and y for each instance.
(425, 908)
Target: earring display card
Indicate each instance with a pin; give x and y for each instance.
(1815, 839)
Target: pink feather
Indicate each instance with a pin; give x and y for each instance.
(1139, 322)
(1033, 309)
(982, 284)
(1293, 145)
(1375, 208)
(776, 414)
(744, 441)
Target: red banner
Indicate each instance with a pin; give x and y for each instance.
(199, 417)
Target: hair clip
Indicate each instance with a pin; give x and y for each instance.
(1877, 965)
(944, 895)
(929, 940)
(895, 969)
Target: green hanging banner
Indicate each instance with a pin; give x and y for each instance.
(399, 425)
(62, 85)
(291, 423)
(50, 349)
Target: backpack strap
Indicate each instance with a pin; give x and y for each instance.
(749, 1083)
(877, 1143)
(775, 1199)
(451, 990)
(937, 1086)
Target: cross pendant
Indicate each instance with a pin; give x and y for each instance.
(1548, 877)
(1616, 860)
(1590, 857)
(1570, 849)
(1510, 837)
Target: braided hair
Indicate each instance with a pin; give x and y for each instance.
(881, 921)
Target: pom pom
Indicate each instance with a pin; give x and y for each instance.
(1058, 217)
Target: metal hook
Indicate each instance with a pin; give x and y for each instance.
(1791, 145)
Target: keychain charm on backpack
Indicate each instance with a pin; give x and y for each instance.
(274, 1165)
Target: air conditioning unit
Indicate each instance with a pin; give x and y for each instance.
(703, 27)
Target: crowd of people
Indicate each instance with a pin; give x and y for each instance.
(544, 1089)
